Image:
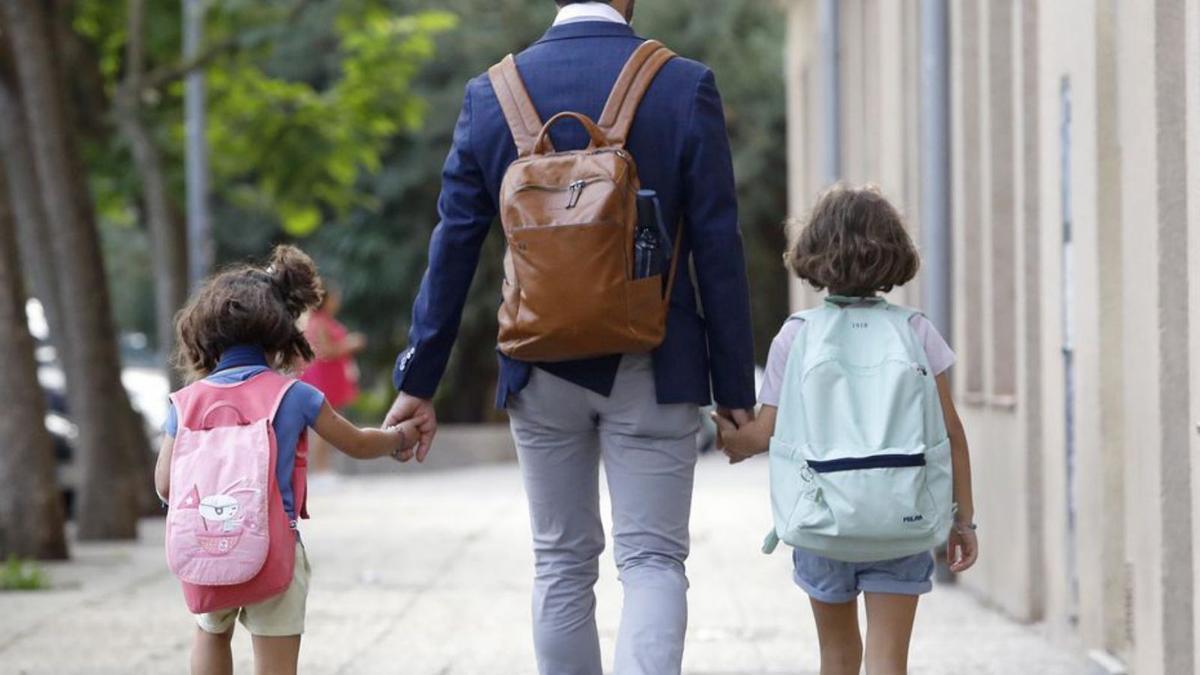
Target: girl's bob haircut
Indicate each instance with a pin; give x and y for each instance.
(853, 244)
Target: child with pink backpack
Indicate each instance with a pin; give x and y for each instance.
(232, 467)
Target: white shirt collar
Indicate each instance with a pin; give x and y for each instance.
(588, 11)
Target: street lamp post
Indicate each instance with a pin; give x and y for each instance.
(199, 226)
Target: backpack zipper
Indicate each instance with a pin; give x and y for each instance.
(574, 189)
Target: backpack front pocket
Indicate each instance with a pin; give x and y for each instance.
(881, 497)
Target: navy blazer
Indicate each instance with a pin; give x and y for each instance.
(681, 147)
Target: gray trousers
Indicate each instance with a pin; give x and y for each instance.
(562, 431)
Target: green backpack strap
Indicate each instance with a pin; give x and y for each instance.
(770, 542)
(848, 300)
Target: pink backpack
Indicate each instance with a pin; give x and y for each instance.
(228, 537)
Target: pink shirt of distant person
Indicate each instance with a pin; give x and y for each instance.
(335, 377)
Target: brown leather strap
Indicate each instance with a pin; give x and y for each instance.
(518, 108)
(631, 86)
(594, 132)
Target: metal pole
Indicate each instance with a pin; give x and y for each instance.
(199, 227)
(830, 30)
(935, 163)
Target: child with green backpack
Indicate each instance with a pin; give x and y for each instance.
(868, 458)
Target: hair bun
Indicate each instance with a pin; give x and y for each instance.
(295, 276)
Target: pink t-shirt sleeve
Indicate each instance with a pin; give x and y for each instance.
(939, 354)
(777, 358)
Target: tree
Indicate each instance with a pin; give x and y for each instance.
(24, 194)
(31, 514)
(169, 254)
(110, 443)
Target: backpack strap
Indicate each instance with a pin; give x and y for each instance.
(287, 386)
(519, 111)
(770, 542)
(631, 86)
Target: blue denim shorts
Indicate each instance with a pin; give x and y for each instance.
(835, 582)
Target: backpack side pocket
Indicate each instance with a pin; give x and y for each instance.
(796, 498)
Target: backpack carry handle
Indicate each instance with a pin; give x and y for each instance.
(219, 405)
(849, 300)
(599, 140)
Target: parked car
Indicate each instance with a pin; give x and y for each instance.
(144, 381)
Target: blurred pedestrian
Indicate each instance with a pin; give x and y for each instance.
(333, 372)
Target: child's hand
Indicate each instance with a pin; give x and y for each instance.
(962, 549)
(406, 434)
(729, 439)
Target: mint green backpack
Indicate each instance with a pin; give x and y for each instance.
(860, 459)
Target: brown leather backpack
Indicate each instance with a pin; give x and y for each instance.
(570, 220)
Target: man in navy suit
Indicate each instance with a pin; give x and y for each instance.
(638, 413)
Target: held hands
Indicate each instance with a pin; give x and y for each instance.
(732, 436)
(405, 436)
(420, 413)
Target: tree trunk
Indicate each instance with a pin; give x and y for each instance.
(169, 245)
(24, 195)
(31, 513)
(111, 456)
(169, 254)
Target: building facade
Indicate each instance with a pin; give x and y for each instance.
(1072, 276)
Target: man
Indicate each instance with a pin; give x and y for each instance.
(636, 412)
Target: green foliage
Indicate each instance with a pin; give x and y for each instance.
(296, 148)
(22, 575)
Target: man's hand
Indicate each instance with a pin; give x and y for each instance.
(727, 439)
(421, 412)
(739, 416)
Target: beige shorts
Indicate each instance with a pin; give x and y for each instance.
(282, 615)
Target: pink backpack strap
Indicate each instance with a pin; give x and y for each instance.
(300, 468)
(287, 386)
(300, 478)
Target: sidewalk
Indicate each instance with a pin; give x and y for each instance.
(429, 574)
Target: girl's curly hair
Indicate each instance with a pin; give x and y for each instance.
(853, 244)
(250, 304)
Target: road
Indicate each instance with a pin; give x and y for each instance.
(428, 573)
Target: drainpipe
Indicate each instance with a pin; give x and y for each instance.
(830, 35)
(935, 164)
